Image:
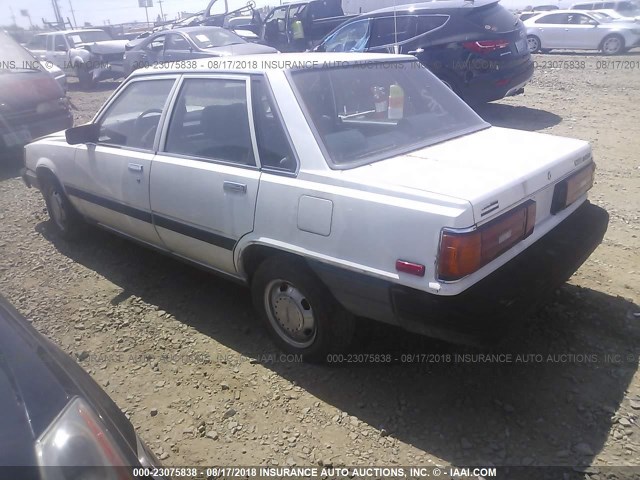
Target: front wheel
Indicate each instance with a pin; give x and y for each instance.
(65, 220)
(300, 313)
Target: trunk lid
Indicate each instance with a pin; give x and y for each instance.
(492, 169)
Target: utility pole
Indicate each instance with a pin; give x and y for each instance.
(13, 17)
(160, 2)
(56, 11)
(73, 14)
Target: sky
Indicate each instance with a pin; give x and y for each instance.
(117, 11)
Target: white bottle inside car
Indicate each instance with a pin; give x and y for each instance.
(396, 102)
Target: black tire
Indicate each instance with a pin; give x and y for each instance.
(533, 44)
(612, 45)
(85, 80)
(286, 284)
(64, 220)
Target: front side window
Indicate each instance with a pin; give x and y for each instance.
(367, 112)
(350, 38)
(60, 45)
(392, 30)
(211, 121)
(177, 42)
(156, 44)
(132, 119)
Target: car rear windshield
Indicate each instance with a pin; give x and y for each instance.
(15, 57)
(365, 112)
(218, 37)
(493, 18)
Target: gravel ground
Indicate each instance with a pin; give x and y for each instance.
(183, 355)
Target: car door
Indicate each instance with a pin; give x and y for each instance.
(582, 31)
(177, 48)
(204, 181)
(275, 28)
(60, 52)
(153, 51)
(109, 181)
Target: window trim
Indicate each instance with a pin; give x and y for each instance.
(162, 141)
(119, 91)
(280, 119)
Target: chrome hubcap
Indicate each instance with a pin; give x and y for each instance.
(57, 210)
(612, 45)
(533, 44)
(290, 314)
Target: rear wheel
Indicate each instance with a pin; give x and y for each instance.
(64, 219)
(300, 313)
(533, 43)
(612, 45)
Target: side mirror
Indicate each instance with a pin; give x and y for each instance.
(88, 133)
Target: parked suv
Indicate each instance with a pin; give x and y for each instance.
(477, 49)
(32, 103)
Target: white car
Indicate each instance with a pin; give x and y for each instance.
(580, 30)
(336, 185)
(617, 16)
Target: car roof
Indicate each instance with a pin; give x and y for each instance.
(433, 5)
(264, 63)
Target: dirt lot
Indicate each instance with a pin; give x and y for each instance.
(183, 355)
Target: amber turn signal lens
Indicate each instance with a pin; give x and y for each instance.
(462, 253)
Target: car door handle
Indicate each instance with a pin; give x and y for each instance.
(135, 167)
(235, 187)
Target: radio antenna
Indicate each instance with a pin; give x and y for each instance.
(396, 47)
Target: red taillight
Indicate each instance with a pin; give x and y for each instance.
(410, 268)
(486, 46)
(462, 253)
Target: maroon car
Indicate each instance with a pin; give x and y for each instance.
(32, 103)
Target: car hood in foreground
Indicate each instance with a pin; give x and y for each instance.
(107, 46)
(494, 164)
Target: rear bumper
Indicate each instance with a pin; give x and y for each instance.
(499, 84)
(483, 311)
(36, 126)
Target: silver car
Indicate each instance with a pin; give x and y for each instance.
(580, 30)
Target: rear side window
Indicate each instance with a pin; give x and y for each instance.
(211, 120)
(426, 23)
(391, 30)
(273, 144)
(39, 42)
(493, 18)
(554, 19)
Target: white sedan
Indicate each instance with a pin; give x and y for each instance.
(580, 30)
(336, 186)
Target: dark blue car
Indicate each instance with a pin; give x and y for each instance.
(55, 421)
(479, 49)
